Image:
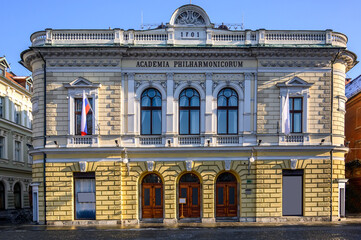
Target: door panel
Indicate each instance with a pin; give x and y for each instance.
(292, 195)
(85, 198)
(191, 192)
(152, 200)
(226, 199)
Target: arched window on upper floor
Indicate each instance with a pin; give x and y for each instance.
(151, 112)
(189, 110)
(227, 111)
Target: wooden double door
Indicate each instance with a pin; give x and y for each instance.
(226, 196)
(152, 197)
(189, 189)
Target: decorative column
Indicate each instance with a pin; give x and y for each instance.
(247, 102)
(170, 99)
(208, 111)
(131, 100)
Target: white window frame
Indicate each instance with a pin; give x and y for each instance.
(4, 133)
(296, 87)
(21, 157)
(75, 90)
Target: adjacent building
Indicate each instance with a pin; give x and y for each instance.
(188, 122)
(15, 134)
(353, 141)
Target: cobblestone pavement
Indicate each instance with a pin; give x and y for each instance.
(320, 231)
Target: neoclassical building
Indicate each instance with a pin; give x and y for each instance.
(188, 123)
(15, 134)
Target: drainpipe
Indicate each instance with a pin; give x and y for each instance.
(331, 130)
(44, 154)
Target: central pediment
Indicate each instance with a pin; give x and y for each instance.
(190, 16)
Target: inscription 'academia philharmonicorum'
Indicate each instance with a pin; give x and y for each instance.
(191, 64)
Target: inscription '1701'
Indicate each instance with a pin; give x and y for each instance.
(190, 64)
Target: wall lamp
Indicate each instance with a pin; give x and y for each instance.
(116, 143)
(56, 143)
(126, 160)
(322, 141)
(250, 161)
(259, 142)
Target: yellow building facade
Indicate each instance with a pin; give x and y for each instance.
(188, 122)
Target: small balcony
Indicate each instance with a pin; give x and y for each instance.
(83, 141)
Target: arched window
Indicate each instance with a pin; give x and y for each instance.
(189, 109)
(2, 196)
(227, 111)
(17, 195)
(151, 112)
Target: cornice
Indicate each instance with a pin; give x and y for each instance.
(112, 56)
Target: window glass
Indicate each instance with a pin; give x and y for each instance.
(151, 112)
(2, 104)
(189, 110)
(158, 196)
(194, 121)
(146, 196)
(156, 122)
(227, 110)
(184, 122)
(152, 178)
(146, 122)
(220, 195)
(89, 116)
(2, 139)
(17, 151)
(195, 196)
(231, 195)
(222, 118)
(296, 114)
(17, 112)
(232, 121)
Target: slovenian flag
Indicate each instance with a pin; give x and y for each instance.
(84, 111)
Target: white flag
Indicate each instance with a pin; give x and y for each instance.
(286, 115)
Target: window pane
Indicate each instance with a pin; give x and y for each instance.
(195, 196)
(291, 122)
(183, 102)
(157, 122)
(297, 103)
(145, 101)
(183, 192)
(195, 101)
(183, 122)
(145, 122)
(220, 195)
(158, 196)
(233, 101)
(297, 122)
(227, 92)
(157, 102)
(222, 101)
(146, 196)
(194, 121)
(151, 92)
(189, 92)
(291, 103)
(222, 118)
(232, 121)
(231, 197)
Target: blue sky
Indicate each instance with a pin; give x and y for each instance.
(23, 17)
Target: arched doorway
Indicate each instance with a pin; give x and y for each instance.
(226, 195)
(189, 196)
(17, 195)
(2, 196)
(152, 196)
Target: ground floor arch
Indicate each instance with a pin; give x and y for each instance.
(152, 196)
(189, 196)
(226, 195)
